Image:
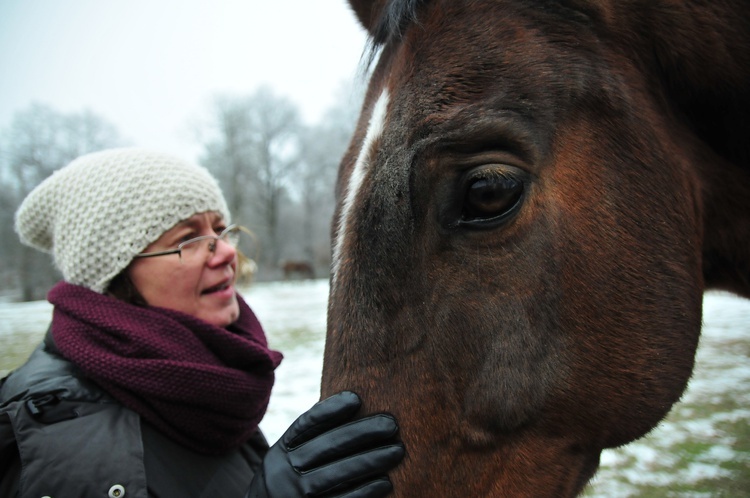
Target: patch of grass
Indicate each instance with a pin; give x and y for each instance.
(294, 337)
(720, 449)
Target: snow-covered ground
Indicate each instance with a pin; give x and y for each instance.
(293, 315)
(294, 318)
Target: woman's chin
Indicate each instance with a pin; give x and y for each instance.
(222, 308)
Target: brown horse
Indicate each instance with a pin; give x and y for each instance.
(302, 269)
(535, 198)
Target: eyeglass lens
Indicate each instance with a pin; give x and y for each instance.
(193, 247)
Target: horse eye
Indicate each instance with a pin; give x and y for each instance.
(490, 200)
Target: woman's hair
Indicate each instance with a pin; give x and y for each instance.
(246, 268)
(122, 288)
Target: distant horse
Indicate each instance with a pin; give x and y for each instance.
(534, 200)
(301, 269)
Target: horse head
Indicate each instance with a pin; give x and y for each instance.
(533, 202)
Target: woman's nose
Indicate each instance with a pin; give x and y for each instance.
(221, 252)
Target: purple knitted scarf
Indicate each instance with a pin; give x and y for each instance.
(204, 386)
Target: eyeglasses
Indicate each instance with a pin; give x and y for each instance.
(192, 249)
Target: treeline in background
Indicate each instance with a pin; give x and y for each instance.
(277, 174)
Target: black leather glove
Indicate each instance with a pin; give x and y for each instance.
(326, 454)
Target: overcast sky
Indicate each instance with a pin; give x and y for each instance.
(151, 66)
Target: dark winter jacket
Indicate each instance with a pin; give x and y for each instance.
(62, 436)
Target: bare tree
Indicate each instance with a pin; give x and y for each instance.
(229, 151)
(253, 151)
(39, 141)
(322, 147)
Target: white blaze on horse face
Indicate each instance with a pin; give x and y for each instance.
(374, 131)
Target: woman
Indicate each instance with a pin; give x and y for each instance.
(155, 373)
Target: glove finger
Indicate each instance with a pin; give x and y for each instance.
(321, 417)
(340, 442)
(373, 489)
(351, 472)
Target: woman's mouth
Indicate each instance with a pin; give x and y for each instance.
(223, 286)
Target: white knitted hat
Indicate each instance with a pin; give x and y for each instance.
(102, 209)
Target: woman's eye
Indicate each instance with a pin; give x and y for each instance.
(491, 199)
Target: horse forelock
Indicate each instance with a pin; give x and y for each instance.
(397, 15)
(395, 18)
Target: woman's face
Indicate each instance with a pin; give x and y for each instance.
(202, 286)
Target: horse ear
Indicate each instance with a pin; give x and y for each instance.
(368, 12)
